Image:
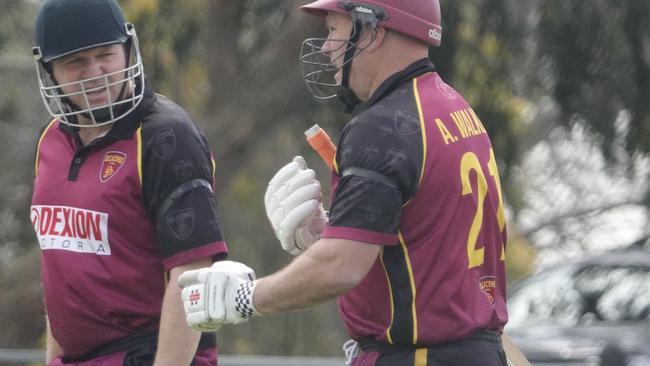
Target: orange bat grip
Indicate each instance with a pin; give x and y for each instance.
(320, 141)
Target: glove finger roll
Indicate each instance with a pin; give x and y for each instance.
(302, 178)
(284, 174)
(302, 194)
(296, 217)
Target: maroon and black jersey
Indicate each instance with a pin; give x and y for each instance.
(415, 173)
(112, 217)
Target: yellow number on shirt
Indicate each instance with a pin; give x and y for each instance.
(469, 163)
(501, 216)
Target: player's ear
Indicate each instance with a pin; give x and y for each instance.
(375, 38)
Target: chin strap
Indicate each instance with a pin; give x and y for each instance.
(370, 15)
(345, 94)
(348, 97)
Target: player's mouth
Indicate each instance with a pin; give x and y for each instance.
(97, 93)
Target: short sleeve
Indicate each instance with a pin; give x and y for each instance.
(178, 179)
(378, 172)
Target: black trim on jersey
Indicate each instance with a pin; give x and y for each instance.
(372, 175)
(366, 204)
(177, 178)
(384, 145)
(417, 68)
(401, 329)
(178, 193)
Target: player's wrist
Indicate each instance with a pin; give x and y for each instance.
(244, 303)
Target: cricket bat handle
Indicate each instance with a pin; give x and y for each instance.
(320, 141)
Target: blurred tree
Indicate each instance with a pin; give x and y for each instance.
(601, 66)
(21, 112)
(586, 174)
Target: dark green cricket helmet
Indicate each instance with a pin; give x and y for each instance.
(68, 26)
(65, 27)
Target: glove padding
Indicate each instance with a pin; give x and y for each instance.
(293, 206)
(222, 293)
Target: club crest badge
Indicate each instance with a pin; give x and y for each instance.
(181, 223)
(488, 284)
(113, 161)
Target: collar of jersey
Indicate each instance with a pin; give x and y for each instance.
(417, 68)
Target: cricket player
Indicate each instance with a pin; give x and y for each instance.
(414, 243)
(123, 197)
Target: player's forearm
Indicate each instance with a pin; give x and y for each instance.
(329, 268)
(177, 343)
(52, 347)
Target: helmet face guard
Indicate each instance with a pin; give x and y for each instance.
(130, 79)
(319, 68)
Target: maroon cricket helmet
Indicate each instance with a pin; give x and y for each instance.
(417, 18)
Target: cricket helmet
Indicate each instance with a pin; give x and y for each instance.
(419, 19)
(65, 27)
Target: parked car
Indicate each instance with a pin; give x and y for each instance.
(592, 312)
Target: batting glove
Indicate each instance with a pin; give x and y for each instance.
(293, 206)
(216, 295)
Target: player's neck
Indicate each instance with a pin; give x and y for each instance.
(393, 61)
(88, 134)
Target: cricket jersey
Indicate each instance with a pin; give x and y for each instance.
(113, 216)
(416, 174)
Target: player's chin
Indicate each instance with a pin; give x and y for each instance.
(338, 77)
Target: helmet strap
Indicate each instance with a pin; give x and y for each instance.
(344, 92)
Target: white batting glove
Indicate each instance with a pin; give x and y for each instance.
(222, 293)
(293, 206)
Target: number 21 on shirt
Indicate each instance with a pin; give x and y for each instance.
(469, 162)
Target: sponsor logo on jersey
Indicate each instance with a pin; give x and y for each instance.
(488, 285)
(72, 229)
(113, 161)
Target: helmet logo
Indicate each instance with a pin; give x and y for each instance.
(363, 9)
(113, 161)
(435, 34)
(367, 13)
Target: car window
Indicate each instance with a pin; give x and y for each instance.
(568, 296)
(623, 294)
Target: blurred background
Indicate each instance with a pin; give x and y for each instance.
(563, 88)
